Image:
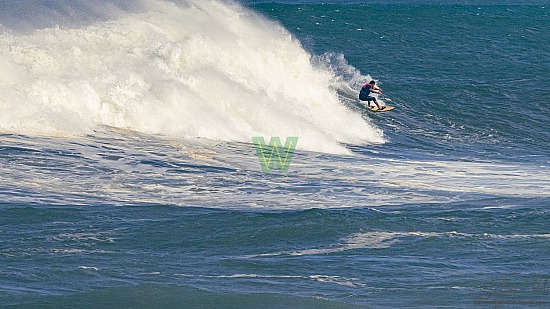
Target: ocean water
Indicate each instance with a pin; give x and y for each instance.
(128, 176)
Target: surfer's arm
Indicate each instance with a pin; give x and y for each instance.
(376, 90)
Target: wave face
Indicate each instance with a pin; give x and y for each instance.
(193, 69)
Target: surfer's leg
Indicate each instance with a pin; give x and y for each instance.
(376, 102)
(370, 100)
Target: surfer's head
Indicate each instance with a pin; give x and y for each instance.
(372, 82)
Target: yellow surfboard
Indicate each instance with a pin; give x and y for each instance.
(385, 109)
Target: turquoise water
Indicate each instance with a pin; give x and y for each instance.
(128, 176)
(461, 74)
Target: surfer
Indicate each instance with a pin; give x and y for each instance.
(364, 94)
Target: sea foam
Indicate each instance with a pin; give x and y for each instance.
(193, 69)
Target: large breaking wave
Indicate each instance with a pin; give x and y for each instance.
(191, 69)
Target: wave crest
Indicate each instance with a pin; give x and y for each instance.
(202, 69)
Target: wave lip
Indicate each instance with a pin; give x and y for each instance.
(203, 69)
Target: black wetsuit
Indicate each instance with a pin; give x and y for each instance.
(364, 94)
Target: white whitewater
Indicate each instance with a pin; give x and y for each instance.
(196, 69)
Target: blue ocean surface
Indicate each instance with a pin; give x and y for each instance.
(129, 179)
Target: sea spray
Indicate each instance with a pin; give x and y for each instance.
(198, 69)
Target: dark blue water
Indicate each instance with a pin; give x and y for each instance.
(451, 211)
(462, 75)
